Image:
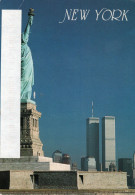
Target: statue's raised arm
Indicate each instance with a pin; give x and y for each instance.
(27, 70)
(25, 34)
(27, 30)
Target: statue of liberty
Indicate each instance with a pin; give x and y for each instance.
(27, 70)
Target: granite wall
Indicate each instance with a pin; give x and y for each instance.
(101, 180)
(80, 180)
(21, 180)
(55, 180)
(71, 180)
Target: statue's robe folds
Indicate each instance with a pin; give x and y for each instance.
(27, 70)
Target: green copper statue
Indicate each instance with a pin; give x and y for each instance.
(27, 70)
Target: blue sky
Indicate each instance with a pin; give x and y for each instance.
(79, 61)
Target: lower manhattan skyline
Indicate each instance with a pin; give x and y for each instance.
(76, 63)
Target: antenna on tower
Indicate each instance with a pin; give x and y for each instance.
(92, 109)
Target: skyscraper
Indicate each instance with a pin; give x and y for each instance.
(108, 142)
(125, 165)
(88, 164)
(134, 169)
(92, 139)
(66, 159)
(57, 156)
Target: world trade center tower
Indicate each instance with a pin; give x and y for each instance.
(92, 139)
(108, 142)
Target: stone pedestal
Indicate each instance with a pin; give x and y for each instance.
(31, 144)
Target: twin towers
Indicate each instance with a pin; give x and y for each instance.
(108, 141)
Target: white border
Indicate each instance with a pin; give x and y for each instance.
(10, 84)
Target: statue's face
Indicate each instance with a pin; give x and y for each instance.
(23, 39)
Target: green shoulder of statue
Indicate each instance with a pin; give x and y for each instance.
(27, 69)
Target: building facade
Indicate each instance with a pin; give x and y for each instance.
(66, 159)
(74, 167)
(92, 139)
(108, 142)
(133, 169)
(88, 164)
(57, 156)
(134, 160)
(125, 165)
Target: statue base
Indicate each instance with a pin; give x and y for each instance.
(34, 163)
(31, 144)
